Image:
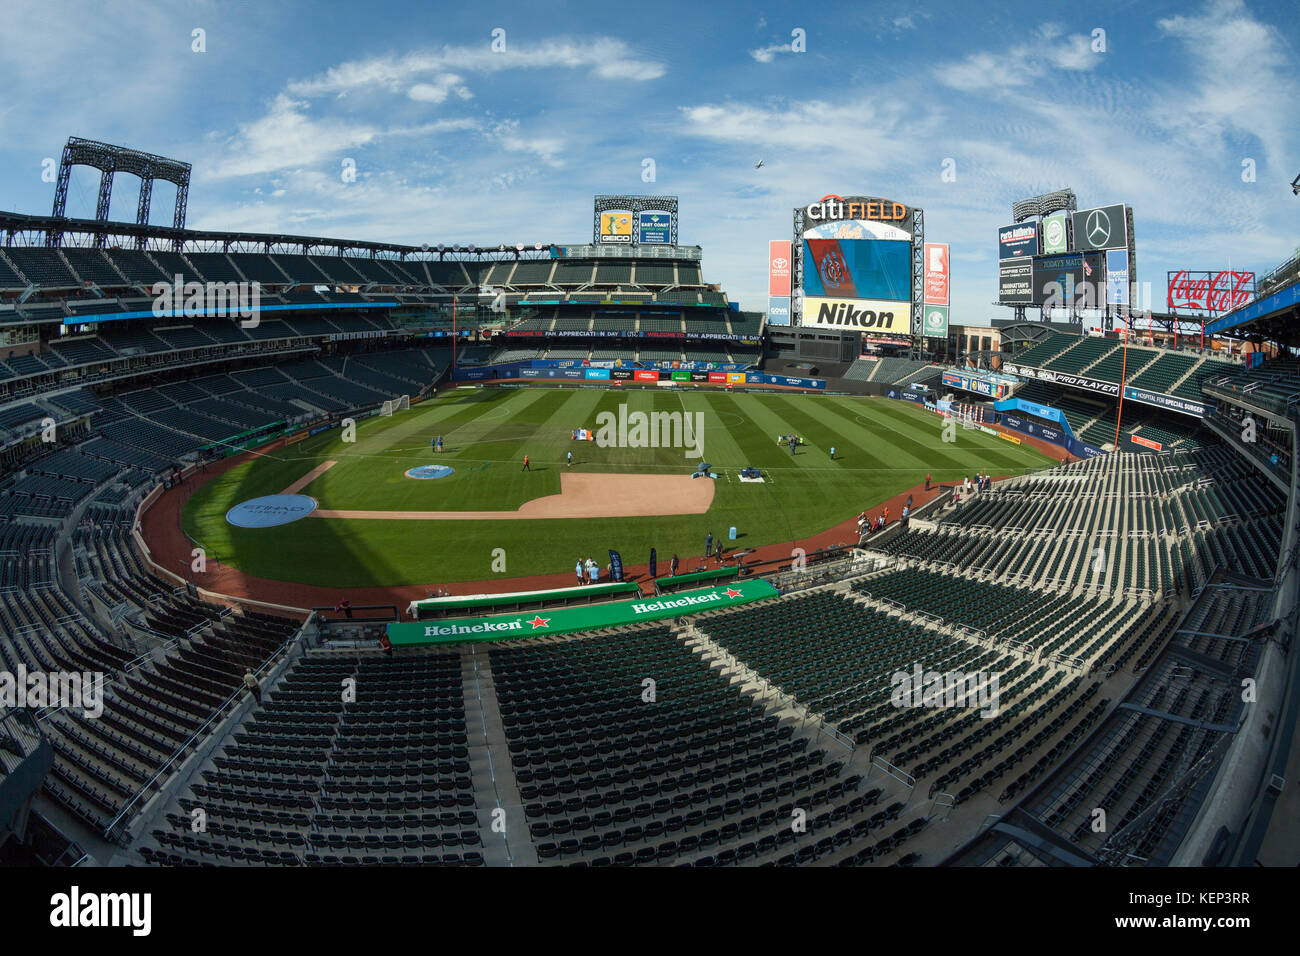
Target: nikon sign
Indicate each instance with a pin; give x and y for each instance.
(823, 313)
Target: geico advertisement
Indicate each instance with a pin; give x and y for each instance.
(615, 227)
(824, 313)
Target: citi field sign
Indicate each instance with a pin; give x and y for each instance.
(832, 207)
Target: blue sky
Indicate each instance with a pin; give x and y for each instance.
(456, 143)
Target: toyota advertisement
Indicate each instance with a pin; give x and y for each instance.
(778, 267)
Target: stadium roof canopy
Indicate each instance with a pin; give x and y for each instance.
(25, 230)
(1274, 313)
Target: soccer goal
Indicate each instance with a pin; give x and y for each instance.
(391, 405)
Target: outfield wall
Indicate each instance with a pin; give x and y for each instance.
(1052, 436)
(572, 373)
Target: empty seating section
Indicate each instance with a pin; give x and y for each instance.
(1123, 524)
(861, 370)
(896, 371)
(655, 273)
(91, 265)
(213, 267)
(309, 779)
(746, 323)
(43, 267)
(702, 771)
(572, 273)
(256, 267)
(1117, 363)
(450, 275)
(1044, 350)
(9, 279)
(1085, 352)
(613, 273)
(1161, 374)
(531, 273)
(1277, 380)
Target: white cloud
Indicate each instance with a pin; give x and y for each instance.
(606, 57)
(287, 137)
(438, 90)
(1022, 64)
(767, 54)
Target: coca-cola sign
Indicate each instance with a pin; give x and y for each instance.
(1213, 292)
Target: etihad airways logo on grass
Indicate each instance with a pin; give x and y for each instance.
(651, 430)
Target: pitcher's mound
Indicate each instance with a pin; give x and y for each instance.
(582, 495)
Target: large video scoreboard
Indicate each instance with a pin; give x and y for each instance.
(858, 265)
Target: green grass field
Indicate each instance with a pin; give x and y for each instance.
(882, 447)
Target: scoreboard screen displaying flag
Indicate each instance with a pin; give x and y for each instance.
(878, 269)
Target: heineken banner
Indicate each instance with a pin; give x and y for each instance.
(588, 617)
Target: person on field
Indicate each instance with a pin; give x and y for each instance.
(927, 481)
(526, 468)
(578, 570)
(433, 445)
(708, 545)
(832, 452)
(570, 460)
(439, 444)
(672, 566)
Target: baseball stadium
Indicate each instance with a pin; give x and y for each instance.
(619, 573)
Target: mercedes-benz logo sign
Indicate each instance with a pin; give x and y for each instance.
(1097, 228)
